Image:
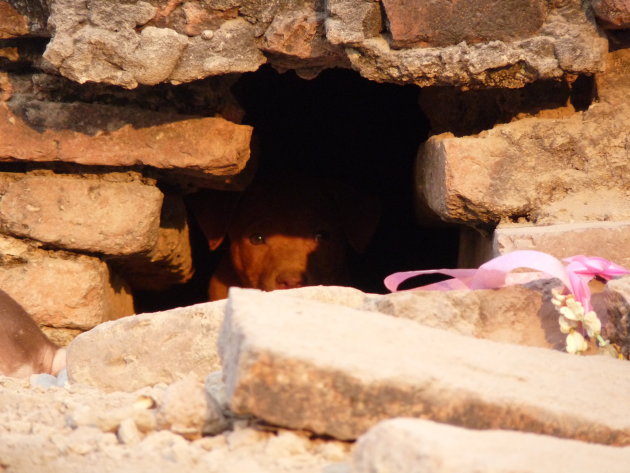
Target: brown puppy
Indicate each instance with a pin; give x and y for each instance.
(24, 349)
(286, 233)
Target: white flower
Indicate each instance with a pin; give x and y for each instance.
(592, 324)
(576, 343)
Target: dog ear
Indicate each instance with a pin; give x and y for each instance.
(213, 211)
(359, 212)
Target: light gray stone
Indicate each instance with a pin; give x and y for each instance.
(147, 349)
(338, 371)
(420, 446)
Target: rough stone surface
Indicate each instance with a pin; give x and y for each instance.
(416, 446)
(60, 289)
(12, 23)
(112, 43)
(445, 23)
(63, 429)
(338, 372)
(608, 240)
(616, 297)
(147, 349)
(185, 41)
(190, 411)
(111, 214)
(95, 134)
(520, 314)
(613, 13)
(169, 261)
(568, 42)
(23, 17)
(539, 170)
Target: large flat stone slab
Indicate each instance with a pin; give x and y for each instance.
(147, 349)
(338, 371)
(419, 446)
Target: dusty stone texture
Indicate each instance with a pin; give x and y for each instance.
(114, 43)
(12, 23)
(416, 446)
(567, 42)
(608, 240)
(616, 299)
(446, 23)
(539, 170)
(284, 366)
(189, 410)
(296, 39)
(614, 14)
(351, 21)
(93, 134)
(61, 336)
(19, 18)
(520, 314)
(110, 214)
(147, 349)
(516, 169)
(61, 430)
(184, 41)
(72, 291)
(169, 260)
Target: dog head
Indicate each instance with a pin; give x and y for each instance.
(292, 232)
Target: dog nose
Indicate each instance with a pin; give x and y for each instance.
(290, 279)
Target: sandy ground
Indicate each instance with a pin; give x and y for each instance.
(78, 428)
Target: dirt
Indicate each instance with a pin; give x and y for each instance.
(77, 428)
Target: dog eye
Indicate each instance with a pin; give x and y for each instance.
(257, 239)
(322, 235)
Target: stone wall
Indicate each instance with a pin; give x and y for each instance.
(111, 111)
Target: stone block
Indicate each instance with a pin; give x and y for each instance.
(120, 44)
(610, 240)
(615, 14)
(20, 18)
(616, 323)
(419, 446)
(169, 260)
(60, 289)
(114, 214)
(351, 21)
(514, 171)
(209, 148)
(444, 23)
(567, 42)
(338, 371)
(147, 349)
(520, 314)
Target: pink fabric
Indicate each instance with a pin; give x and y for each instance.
(575, 273)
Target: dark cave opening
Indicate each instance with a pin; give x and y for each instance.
(341, 126)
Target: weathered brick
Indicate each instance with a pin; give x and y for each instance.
(448, 22)
(113, 215)
(610, 240)
(535, 168)
(338, 371)
(416, 446)
(206, 147)
(61, 289)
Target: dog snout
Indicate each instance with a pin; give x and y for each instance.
(290, 280)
